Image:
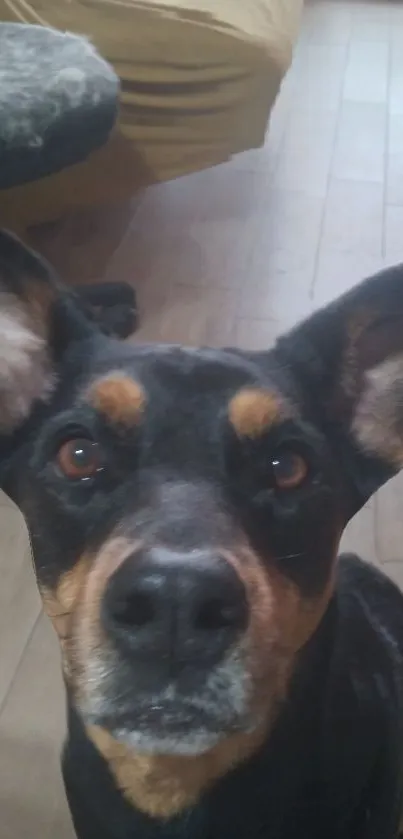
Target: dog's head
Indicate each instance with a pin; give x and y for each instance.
(185, 506)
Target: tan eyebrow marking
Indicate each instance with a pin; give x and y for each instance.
(252, 411)
(119, 398)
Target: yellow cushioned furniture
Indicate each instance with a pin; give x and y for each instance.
(199, 78)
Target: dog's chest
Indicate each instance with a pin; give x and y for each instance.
(283, 793)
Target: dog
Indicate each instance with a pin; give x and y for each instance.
(227, 675)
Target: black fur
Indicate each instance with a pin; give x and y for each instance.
(332, 765)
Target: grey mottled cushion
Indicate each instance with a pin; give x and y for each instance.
(58, 101)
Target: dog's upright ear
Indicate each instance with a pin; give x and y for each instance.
(31, 300)
(348, 361)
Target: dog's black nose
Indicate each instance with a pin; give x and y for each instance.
(172, 609)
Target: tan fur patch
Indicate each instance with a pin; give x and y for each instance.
(119, 398)
(61, 603)
(74, 606)
(163, 786)
(89, 635)
(282, 621)
(252, 412)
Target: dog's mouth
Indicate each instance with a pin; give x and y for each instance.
(169, 729)
(180, 726)
(155, 712)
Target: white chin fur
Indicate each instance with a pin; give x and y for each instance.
(190, 745)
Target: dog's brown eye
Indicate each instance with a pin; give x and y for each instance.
(289, 470)
(79, 459)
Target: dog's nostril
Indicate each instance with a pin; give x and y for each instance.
(215, 614)
(179, 608)
(135, 611)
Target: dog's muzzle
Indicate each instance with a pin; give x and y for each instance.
(176, 623)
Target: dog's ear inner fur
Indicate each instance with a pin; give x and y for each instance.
(349, 361)
(28, 294)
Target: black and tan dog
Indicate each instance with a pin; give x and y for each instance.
(227, 677)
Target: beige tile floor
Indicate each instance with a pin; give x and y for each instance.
(233, 255)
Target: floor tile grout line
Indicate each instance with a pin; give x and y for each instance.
(273, 168)
(17, 669)
(386, 150)
(136, 201)
(313, 284)
(271, 175)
